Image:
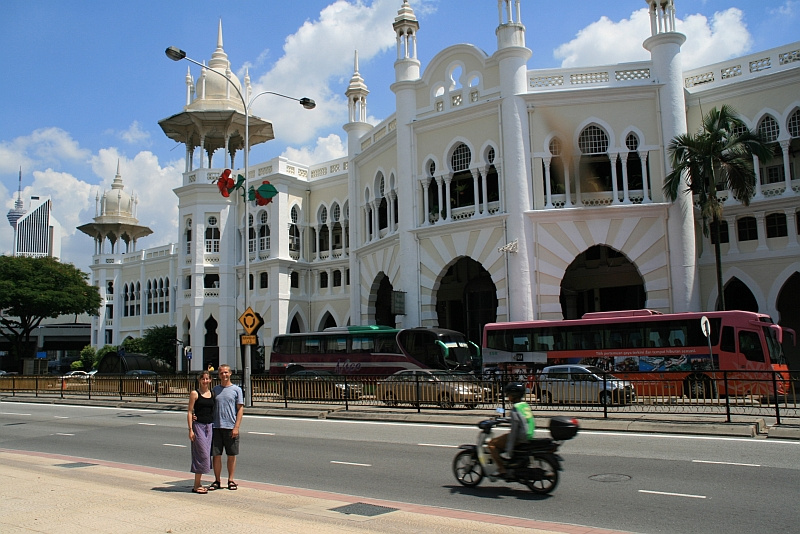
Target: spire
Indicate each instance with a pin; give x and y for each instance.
(357, 95)
(405, 27)
(219, 59)
(662, 16)
(16, 213)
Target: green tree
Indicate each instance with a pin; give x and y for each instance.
(159, 343)
(33, 289)
(720, 154)
(88, 359)
(134, 344)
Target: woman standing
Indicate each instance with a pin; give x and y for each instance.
(200, 419)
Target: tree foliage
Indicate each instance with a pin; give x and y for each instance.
(34, 289)
(159, 343)
(720, 153)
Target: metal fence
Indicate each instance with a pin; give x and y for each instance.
(721, 393)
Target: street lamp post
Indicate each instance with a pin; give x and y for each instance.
(176, 54)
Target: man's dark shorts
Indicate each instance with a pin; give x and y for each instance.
(222, 438)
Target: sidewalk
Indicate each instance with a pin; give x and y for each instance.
(50, 493)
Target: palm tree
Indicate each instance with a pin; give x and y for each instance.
(720, 153)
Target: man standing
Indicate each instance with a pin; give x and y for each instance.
(228, 411)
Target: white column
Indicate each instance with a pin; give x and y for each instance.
(485, 190)
(614, 187)
(762, 230)
(786, 168)
(645, 189)
(791, 227)
(447, 179)
(548, 190)
(425, 182)
(475, 173)
(757, 169)
(626, 198)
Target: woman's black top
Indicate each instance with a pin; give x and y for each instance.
(204, 408)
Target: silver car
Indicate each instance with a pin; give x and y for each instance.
(583, 384)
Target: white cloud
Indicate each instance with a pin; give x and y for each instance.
(341, 28)
(135, 135)
(327, 148)
(606, 42)
(788, 9)
(45, 147)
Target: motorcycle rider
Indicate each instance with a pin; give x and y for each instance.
(522, 427)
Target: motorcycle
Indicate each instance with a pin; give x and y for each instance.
(535, 464)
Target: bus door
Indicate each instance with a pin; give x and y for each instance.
(752, 357)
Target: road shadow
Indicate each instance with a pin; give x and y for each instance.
(497, 492)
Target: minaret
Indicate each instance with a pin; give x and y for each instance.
(406, 69)
(512, 56)
(664, 45)
(15, 213)
(356, 128)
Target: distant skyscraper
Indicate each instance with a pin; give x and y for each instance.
(36, 232)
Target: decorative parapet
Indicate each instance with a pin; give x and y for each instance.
(610, 76)
(747, 67)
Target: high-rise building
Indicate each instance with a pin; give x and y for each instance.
(36, 231)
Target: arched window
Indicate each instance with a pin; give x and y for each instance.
(212, 236)
(264, 280)
(462, 187)
(294, 231)
(148, 295)
(768, 129)
(595, 165)
(295, 279)
(634, 163)
(188, 234)
(323, 229)
(323, 279)
(125, 300)
(251, 234)
(793, 124)
(263, 232)
(724, 236)
(556, 167)
(337, 278)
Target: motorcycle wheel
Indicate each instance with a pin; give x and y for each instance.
(467, 469)
(548, 480)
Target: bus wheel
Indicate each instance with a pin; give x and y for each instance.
(446, 402)
(389, 399)
(605, 399)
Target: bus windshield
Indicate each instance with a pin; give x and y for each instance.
(775, 350)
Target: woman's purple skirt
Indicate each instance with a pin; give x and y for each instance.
(201, 447)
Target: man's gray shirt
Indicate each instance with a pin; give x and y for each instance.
(226, 400)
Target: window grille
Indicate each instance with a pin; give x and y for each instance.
(323, 215)
(593, 140)
(776, 225)
(337, 213)
(263, 217)
(294, 214)
(747, 229)
(431, 168)
(768, 129)
(555, 147)
(632, 142)
(490, 155)
(461, 158)
(794, 124)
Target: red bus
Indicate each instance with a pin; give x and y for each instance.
(641, 345)
(374, 350)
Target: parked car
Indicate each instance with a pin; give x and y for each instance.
(314, 385)
(76, 374)
(444, 388)
(583, 384)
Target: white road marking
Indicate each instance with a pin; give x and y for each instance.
(14, 413)
(437, 445)
(673, 494)
(724, 463)
(61, 417)
(263, 433)
(174, 445)
(351, 463)
(62, 434)
(146, 424)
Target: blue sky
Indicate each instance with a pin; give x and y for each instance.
(87, 82)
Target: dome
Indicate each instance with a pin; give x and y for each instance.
(212, 90)
(116, 201)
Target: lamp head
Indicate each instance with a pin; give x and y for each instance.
(175, 53)
(308, 103)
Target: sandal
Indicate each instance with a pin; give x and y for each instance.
(214, 486)
(201, 490)
(232, 485)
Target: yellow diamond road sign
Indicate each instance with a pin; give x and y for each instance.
(250, 321)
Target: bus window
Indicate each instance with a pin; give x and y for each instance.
(774, 347)
(750, 346)
(311, 345)
(362, 344)
(386, 343)
(335, 344)
(728, 340)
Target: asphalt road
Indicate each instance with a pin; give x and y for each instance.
(636, 482)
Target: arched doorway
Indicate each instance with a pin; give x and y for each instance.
(466, 299)
(738, 296)
(789, 317)
(327, 321)
(211, 344)
(601, 279)
(383, 302)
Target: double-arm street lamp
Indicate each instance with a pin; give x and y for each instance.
(176, 54)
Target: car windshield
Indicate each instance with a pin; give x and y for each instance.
(599, 372)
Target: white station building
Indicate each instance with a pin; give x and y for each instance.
(493, 193)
